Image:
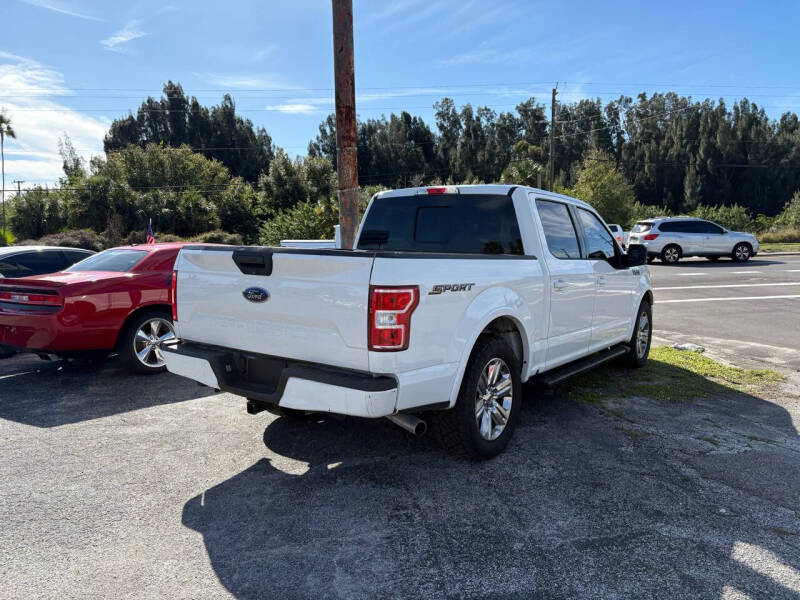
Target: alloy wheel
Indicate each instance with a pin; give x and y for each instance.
(671, 255)
(493, 399)
(149, 339)
(643, 335)
(742, 252)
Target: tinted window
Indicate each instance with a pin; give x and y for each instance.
(74, 256)
(468, 223)
(118, 261)
(614, 228)
(679, 227)
(642, 227)
(559, 231)
(707, 227)
(599, 242)
(39, 262)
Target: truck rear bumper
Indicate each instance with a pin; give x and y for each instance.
(276, 381)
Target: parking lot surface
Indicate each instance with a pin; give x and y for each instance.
(121, 486)
(749, 311)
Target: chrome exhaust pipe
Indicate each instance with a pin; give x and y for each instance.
(410, 423)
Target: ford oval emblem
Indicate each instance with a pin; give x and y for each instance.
(256, 294)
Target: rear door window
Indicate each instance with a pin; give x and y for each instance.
(450, 223)
(559, 230)
(38, 262)
(708, 227)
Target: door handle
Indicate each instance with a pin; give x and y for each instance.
(560, 284)
(601, 280)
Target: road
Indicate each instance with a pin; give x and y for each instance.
(749, 312)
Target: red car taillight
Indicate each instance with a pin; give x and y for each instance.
(650, 236)
(32, 298)
(173, 296)
(390, 311)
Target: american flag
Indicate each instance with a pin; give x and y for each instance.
(151, 239)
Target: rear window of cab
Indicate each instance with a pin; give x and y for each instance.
(448, 223)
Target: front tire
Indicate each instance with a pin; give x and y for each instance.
(483, 420)
(671, 254)
(641, 338)
(142, 339)
(742, 252)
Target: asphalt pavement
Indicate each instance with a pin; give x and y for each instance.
(749, 312)
(122, 486)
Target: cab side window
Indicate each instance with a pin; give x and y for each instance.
(559, 230)
(599, 242)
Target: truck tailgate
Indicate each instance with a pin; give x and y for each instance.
(315, 311)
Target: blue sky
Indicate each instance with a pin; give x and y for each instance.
(71, 66)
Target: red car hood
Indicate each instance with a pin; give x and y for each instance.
(63, 278)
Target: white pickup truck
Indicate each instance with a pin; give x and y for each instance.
(453, 297)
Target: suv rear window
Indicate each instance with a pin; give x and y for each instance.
(118, 261)
(642, 227)
(452, 223)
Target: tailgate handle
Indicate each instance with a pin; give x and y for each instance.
(253, 263)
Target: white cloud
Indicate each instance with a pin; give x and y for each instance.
(128, 33)
(244, 81)
(29, 90)
(295, 109)
(61, 7)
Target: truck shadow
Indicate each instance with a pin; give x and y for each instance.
(585, 502)
(50, 394)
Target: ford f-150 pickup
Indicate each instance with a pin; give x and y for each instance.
(452, 298)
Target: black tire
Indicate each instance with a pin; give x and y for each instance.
(742, 252)
(713, 258)
(126, 345)
(650, 259)
(637, 358)
(671, 254)
(457, 429)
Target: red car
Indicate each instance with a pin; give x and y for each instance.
(117, 300)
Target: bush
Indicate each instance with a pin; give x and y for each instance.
(786, 235)
(605, 188)
(305, 221)
(733, 217)
(790, 217)
(140, 237)
(6, 238)
(219, 237)
(640, 212)
(75, 238)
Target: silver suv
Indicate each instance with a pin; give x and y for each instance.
(672, 238)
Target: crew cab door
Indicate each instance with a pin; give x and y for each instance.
(614, 286)
(571, 284)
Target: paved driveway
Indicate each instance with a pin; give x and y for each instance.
(120, 486)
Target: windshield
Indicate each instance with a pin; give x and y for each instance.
(118, 261)
(641, 227)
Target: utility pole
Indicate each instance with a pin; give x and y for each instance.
(552, 166)
(346, 134)
(19, 189)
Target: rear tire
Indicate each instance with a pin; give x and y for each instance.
(742, 252)
(141, 340)
(671, 254)
(483, 420)
(641, 338)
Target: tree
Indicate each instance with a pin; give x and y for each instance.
(6, 130)
(605, 188)
(72, 163)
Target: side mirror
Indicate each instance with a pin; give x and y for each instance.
(637, 255)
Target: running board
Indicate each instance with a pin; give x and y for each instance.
(558, 375)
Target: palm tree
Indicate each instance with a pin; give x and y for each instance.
(5, 130)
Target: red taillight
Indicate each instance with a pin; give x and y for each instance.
(650, 236)
(32, 299)
(437, 190)
(173, 296)
(390, 311)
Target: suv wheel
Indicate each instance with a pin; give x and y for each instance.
(671, 254)
(742, 252)
(482, 422)
(641, 338)
(141, 341)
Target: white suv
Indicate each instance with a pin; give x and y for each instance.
(672, 238)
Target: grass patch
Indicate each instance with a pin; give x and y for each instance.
(671, 376)
(779, 247)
